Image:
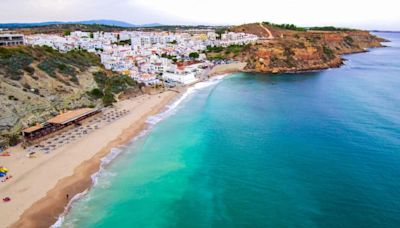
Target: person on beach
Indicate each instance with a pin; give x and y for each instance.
(67, 196)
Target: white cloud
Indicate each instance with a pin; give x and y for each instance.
(304, 12)
(364, 14)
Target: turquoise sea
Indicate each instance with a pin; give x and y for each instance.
(315, 149)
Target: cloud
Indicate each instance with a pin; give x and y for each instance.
(304, 12)
(380, 14)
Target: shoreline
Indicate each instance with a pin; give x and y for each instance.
(45, 211)
(129, 136)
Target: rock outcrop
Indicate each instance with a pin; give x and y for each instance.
(297, 51)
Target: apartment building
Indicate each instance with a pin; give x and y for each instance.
(12, 39)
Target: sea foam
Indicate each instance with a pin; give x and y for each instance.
(151, 121)
(170, 109)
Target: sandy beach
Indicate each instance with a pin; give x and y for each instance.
(39, 186)
(227, 68)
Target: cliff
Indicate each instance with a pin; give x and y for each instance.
(295, 49)
(38, 82)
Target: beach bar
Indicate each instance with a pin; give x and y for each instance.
(58, 123)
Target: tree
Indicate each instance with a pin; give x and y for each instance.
(96, 93)
(194, 55)
(67, 32)
(220, 31)
(13, 140)
(109, 86)
(108, 98)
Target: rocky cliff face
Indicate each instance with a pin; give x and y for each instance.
(295, 51)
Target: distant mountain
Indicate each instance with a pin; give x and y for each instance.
(105, 22)
(88, 22)
(385, 31)
(150, 25)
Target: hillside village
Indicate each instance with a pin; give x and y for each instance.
(147, 57)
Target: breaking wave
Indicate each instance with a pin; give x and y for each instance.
(115, 152)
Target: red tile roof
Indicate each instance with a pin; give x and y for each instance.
(70, 115)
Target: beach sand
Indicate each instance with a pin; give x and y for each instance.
(227, 68)
(39, 187)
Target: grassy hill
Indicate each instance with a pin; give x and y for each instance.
(37, 82)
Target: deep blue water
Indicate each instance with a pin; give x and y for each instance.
(296, 150)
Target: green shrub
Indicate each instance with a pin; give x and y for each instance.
(13, 62)
(5, 53)
(15, 77)
(348, 40)
(273, 60)
(108, 86)
(27, 86)
(12, 98)
(330, 28)
(286, 26)
(100, 78)
(108, 98)
(49, 66)
(194, 55)
(96, 93)
(123, 42)
(29, 69)
(288, 52)
(13, 139)
(36, 91)
(234, 48)
(290, 61)
(328, 52)
(165, 55)
(67, 32)
(217, 57)
(214, 48)
(117, 84)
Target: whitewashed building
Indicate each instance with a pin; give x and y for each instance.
(184, 78)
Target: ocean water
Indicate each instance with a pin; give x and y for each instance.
(253, 150)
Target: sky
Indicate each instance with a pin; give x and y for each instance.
(367, 14)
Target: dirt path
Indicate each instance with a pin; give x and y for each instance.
(270, 36)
